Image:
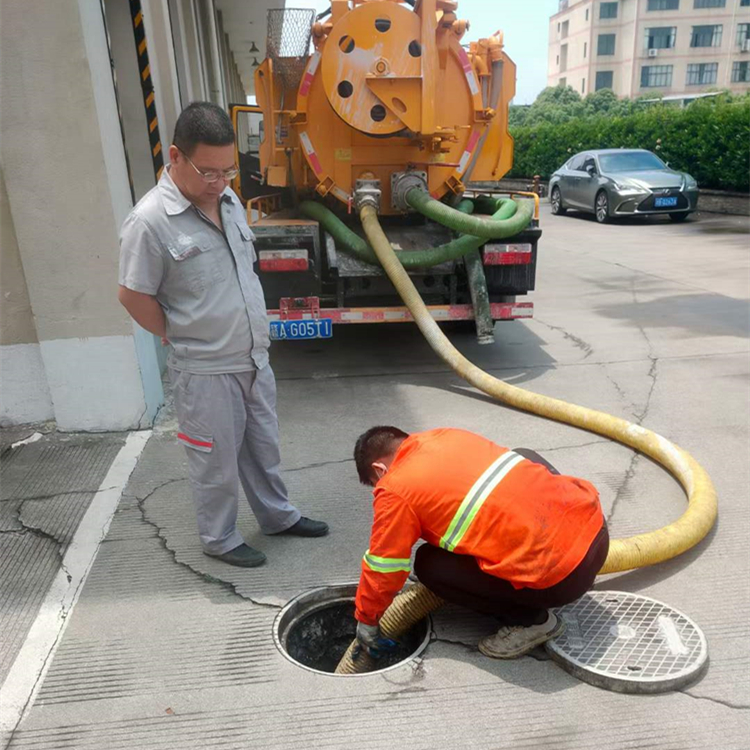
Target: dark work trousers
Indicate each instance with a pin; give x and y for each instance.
(460, 580)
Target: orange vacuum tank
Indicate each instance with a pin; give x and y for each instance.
(388, 90)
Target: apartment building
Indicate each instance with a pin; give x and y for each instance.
(670, 48)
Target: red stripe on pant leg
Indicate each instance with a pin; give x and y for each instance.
(193, 441)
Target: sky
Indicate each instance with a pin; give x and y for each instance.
(525, 33)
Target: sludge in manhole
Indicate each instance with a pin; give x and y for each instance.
(319, 638)
(314, 629)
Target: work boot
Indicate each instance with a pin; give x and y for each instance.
(243, 556)
(510, 642)
(305, 527)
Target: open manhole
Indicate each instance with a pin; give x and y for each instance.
(629, 643)
(315, 628)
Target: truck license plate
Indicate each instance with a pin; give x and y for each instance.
(665, 202)
(281, 330)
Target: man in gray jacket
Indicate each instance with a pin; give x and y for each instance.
(186, 274)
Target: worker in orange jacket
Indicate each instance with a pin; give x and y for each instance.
(506, 534)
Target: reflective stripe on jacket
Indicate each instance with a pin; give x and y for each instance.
(461, 492)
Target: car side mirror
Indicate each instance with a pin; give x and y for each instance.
(591, 169)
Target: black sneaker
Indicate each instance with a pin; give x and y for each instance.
(243, 556)
(306, 527)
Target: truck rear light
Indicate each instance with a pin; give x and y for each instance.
(283, 260)
(507, 255)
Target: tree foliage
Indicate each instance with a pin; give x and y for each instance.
(709, 138)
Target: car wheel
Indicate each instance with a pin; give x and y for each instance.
(679, 217)
(555, 200)
(601, 207)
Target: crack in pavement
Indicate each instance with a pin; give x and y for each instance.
(318, 465)
(471, 648)
(58, 494)
(619, 390)
(40, 533)
(577, 445)
(726, 704)
(639, 416)
(577, 341)
(227, 585)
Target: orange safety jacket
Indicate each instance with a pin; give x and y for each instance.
(467, 495)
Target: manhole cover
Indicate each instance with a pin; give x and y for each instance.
(629, 643)
(314, 630)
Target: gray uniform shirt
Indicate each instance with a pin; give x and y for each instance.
(203, 279)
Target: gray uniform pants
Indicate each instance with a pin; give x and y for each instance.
(230, 431)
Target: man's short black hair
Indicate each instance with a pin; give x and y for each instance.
(377, 442)
(202, 122)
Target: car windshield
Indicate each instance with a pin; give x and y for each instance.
(630, 161)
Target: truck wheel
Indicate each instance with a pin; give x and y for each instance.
(601, 207)
(555, 200)
(679, 217)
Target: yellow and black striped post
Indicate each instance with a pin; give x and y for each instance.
(147, 86)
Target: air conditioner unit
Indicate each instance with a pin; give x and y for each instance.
(745, 45)
(653, 52)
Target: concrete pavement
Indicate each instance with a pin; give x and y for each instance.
(167, 648)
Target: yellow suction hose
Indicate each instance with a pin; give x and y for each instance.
(624, 554)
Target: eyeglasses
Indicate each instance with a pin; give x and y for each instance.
(212, 175)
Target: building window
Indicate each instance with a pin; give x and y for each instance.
(558, 60)
(603, 79)
(565, 27)
(587, 10)
(563, 58)
(663, 5)
(701, 74)
(605, 44)
(741, 72)
(743, 33)
(710, 3)
(662, 37)
(656, 76)
(744, 3)
(563, 82)
(706, 36)
(585, 49)
(583, 85)
(608, 10)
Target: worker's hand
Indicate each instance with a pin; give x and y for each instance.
(371, 640)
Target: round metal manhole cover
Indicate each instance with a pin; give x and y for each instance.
(629, 643)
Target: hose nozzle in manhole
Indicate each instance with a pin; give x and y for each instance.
(315, 629)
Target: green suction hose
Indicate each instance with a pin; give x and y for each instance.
(492, 228)
(519, 212)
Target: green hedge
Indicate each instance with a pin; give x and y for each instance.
(710, 139)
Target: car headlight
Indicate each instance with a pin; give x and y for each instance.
(690, 182)
(626, 188)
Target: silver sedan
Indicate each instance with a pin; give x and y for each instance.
(622, 182)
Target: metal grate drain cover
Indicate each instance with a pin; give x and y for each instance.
(629, 643)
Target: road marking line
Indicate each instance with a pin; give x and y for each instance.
(30, 666)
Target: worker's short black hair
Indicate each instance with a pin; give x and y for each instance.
(377, 442)
(202, 122)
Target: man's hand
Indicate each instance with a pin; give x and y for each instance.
(372, 641)
(145, 310)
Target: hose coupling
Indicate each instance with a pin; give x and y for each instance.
(367, 193)
(402, 183)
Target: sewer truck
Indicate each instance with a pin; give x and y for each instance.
(379, 102)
